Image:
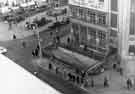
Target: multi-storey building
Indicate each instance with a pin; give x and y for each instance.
(90, 23)
(101, 24)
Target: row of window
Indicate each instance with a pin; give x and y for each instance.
(132, 50)
(58, 3)
(90, 36)
(89, 15)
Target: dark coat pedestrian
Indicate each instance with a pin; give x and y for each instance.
(129, 83)
(77, 80)
(14, 36)
(106, 83)
(50, 66)
(38, 47)
(68, 40)
(36, 52)
(57, 70)
(33, 54)
(51, 33)
(69, 75)
(121, 71)
(23, 44)
(92, 82)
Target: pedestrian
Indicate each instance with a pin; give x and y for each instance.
(50, 66)
(14, 36)
(68, 40)
(10, 25)
(129, 83)
(106, 83)
(92, 82)
(33, 54)
(51, 33)
(74, 78)
(121, 71)
(23, 44)
(57, 70)
(69, 75)
(77, 79)
(38, 47)
(58, 39)
(114, 66)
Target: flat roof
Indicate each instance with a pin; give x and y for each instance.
(16, 80)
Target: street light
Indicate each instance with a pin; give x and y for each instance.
(39, 40)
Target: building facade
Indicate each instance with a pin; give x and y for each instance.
(101, 24)
(90, 24)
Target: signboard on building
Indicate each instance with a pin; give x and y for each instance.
(101, 5)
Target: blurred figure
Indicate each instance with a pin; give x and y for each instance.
(92, 82)
(14, 36)
(129, 83)
(106, 83)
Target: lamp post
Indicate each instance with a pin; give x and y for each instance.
(39, 40)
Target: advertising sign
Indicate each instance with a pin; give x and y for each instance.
(92, 4)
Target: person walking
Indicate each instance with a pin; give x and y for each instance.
(50, 66)
(14, 36)
(106, 83)
(121, 71)
(23, 44)
(129, 83)
(92, 82)
(57, 70)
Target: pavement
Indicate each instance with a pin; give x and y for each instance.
(117, 84)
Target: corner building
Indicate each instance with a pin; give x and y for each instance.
(101, 24)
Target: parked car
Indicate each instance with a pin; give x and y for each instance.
(30, 26)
